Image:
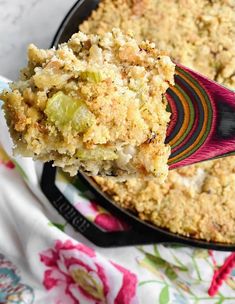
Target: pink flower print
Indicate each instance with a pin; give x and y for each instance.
(100, 216)
(76, 274)
(127, 292)
(10, 165)
(108, 222)
(5, 160)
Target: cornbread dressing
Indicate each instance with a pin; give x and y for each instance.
(95, 104)
(196, 201)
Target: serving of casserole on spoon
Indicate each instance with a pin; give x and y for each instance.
(94, 104)
(109, 106)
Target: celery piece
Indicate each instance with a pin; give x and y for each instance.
(92, 76)
(64, 110)
(97, 154)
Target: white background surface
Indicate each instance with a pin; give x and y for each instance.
(23, 22)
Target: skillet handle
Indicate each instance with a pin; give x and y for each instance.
(125, 238)
(132, 236)
(136, 235)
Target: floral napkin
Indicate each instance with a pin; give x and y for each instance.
(44, 260)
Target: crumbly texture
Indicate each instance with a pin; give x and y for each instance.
(199, 34)
(97, 104)
(196, 201)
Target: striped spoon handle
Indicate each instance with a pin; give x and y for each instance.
(202, 125)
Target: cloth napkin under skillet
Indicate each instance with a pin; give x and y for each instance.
(43, 260)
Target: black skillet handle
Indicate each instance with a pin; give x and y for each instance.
(138, 234)
(85, 227)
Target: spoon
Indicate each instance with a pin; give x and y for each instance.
(202, 125)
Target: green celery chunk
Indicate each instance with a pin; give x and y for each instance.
(97, 154)
(92, 76)
(64, 110)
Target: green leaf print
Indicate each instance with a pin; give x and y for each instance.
(156, 251)
(164, 295)
(79, 185)
(174, 245)
(151, 266)
(57, 225)
(200, 253)
(20, 170)
(84, 192)
(153, 258)
(156, 260)
(220, 301)
(170, 273)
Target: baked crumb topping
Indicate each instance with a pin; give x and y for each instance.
(96, 104)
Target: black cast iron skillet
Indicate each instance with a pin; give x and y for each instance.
(140, 232)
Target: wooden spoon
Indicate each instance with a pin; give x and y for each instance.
(202, 125)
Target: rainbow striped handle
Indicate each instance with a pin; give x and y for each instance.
(202, 123)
